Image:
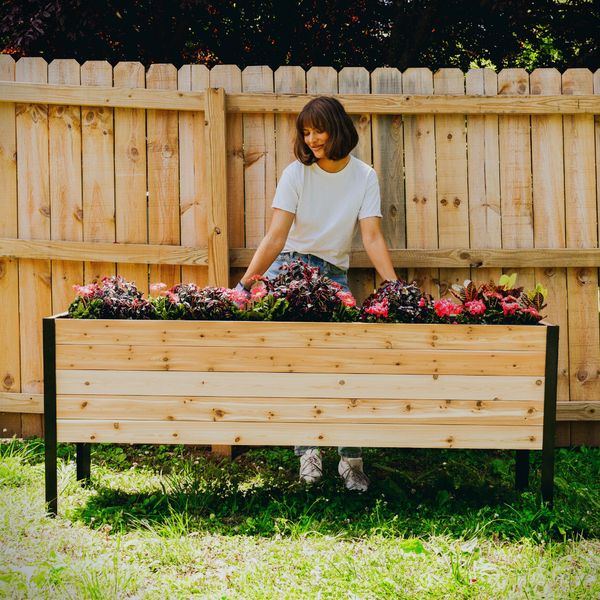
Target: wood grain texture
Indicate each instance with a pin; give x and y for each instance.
(355, 80)
(192, 172)
(298, 410)
(452, 181)
(21, 403)
(229, 77)
(549, 221)
(10, 367)
(484, 174)
(163, 174)
(259, 158)
(492, 338)
(283, 434)
(130, 173)
(477, 259)
(297, 360)
(34, 223)
(66, 202)
(97, 131)
(420, 177)
(275, 103)
(216, 165)
(313, 385)
(582, 284)
(288, 80)
(34, 403)
(388, 160)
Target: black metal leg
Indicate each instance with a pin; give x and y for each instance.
(522, 469)
(84, 462)
(549, 431)
(50, 437)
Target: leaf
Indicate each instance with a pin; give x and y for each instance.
(413, 547)
(506, 282)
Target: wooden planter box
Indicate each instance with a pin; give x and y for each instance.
(327, 384)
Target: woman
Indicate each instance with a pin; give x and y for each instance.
(321, 200)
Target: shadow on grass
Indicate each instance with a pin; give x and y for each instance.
(412, 492)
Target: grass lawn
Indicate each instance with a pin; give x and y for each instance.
(176, 522)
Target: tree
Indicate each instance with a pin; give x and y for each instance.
(369, 33)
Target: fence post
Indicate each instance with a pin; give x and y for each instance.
(216, 184)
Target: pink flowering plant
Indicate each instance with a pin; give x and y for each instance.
(397, 302)
(115, 298)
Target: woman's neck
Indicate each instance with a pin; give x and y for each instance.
(333, 166)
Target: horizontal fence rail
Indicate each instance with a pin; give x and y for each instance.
(380, 104)
(241, 257)
(168, 175)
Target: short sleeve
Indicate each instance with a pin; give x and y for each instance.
(287, 193)
(371, 204)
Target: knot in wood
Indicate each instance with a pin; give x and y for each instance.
(45, 210)
(342, 382)
(582, 375)
(217, 230)
(8, 381)
(419, 134)
(424, 201)
(457, 202)
(538, 382)
(237, 439)
(436, 376)
(449, 136)
(393, 210)
(116, 425)
(443, 201)
(84, 404)
(584, 275)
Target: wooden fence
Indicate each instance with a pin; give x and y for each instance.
(117, 170)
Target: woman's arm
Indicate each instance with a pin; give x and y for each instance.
(271, 245)
(376, 247)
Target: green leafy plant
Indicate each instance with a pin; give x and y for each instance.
(397, 302)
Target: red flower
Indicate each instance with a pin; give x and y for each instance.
(379, 309)
(476, 307)
(422, 302)
(258, 292)
(346, 298)
(446, 308)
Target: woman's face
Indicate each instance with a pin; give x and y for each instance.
(316, 139)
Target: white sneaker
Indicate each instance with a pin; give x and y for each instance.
(311, 467)
(351, 471)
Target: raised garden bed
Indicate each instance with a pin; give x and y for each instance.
(285, 383)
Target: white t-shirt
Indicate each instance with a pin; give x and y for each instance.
(328, 207)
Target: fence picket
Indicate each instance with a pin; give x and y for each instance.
(130, 173)
(355, 80)
(388, 161)
(582, 232)
(163, 173)
(10, 364)
(66, 203)
(419, 157)
(259, 158)
(452, 184)
(515, 173)
(35, 276)
(549, 223)
(97, 130)
(484, 173)
(229, 77)
(192, 172)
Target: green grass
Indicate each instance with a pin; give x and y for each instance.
(176, 522)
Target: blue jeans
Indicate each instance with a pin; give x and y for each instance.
(335, 274)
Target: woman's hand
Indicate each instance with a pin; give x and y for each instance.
(370, 228)
(271, 245)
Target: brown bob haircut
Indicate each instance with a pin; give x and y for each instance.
(326, 114)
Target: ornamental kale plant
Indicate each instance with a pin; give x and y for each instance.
(188, 302)
(114, 299)
(397, 302)
(308, 296)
